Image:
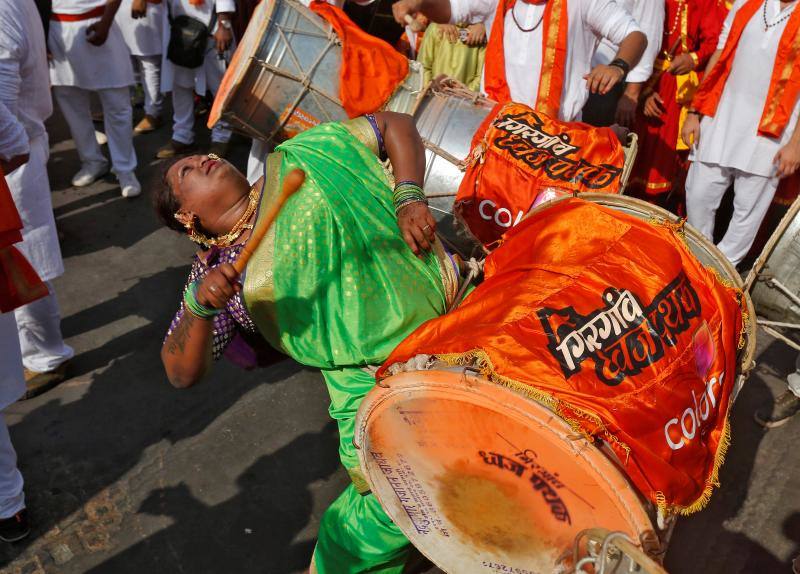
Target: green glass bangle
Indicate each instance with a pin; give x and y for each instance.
(195, 307)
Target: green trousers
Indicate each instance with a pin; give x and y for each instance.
(355, 534)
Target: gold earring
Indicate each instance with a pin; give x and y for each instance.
(184, 219)
(213, 156)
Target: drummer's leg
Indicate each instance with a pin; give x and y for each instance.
(752, 197)
(705, 186)
(355, 533)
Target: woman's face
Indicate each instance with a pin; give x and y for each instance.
(206, 188)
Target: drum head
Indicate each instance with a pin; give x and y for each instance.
(481, 478)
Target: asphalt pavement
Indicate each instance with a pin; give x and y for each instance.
(125, 474)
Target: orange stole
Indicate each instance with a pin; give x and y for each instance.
(784, 87)
(517, 152)
(554, 56)
(371, 68)
(612, 323)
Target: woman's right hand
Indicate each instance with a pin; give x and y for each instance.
(417, 226)
(219, 286)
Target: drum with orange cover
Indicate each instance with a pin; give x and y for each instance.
(285, 75)
(494, 454)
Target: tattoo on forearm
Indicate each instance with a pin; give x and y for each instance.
(181, 334)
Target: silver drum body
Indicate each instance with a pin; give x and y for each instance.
(284, 76)
(774, 281)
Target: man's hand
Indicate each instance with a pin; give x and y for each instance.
(602, 78)
(13, 163)
(626, 110)
(787, 160)
(654, 106)
(690, 134)
(405, 8)
(223, 37)
(218, 286)
(138, 8)
(449, 32)
(682, 64)
(97, 33)
(476, 34)
(417, 226)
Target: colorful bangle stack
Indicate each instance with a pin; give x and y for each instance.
(194, 306)
(405, 193)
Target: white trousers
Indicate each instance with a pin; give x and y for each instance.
(118, 121)
(706, 185)
(39, 330)
(12, 386)
(183, 120)
(149, 68)
(256, 160)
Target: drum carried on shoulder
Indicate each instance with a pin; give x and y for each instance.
(486, 474)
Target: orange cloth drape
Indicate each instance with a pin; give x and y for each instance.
(518, 153)
(610, 321)
(784, 87)
(371, 68)
(19, 283)
(554, 56)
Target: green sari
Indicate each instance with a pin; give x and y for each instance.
(335, 287)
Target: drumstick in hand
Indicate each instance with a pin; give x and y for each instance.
(291, 183)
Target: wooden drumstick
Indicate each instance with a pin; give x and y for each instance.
(412, 23)
(291, 183)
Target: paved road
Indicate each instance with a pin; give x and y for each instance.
(126, 475)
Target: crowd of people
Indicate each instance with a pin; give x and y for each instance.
(710, 88)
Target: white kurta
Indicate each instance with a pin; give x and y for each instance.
(730, 138)
(649, 14)
(143, 36)
(78, 63)
(206, 76)
(25, 91)
(589, 21)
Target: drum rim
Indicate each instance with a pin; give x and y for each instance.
(399, 384)
(746, 355)
(771, 244)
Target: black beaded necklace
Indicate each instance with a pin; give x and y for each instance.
(767, 26)
(521, 29)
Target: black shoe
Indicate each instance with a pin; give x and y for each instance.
(16, 527)
(784, 408)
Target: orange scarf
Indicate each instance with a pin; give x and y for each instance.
(371, 68)
(554, 56)
(784, 87)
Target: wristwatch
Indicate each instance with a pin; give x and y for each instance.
(225, 23)
(622, 65)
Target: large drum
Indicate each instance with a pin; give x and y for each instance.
(774, 281)
(447, 118)
(481, 478)
(284, 76)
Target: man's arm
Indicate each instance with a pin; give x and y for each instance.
(97, 33)
(446, 11)
(223, 35)
(787, 160)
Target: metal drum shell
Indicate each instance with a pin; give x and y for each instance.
(779, 259)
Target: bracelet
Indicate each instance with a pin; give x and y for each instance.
(194, 306)
(694, 113)
(405, 193)
(622, 65)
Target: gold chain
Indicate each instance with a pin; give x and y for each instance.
(239, 228)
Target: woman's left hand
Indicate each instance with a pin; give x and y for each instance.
(417, 226)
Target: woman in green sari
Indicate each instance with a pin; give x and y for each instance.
(350, 268)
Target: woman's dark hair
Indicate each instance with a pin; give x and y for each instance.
(164, 200)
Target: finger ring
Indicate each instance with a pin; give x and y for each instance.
(213, 288)
(426, 227)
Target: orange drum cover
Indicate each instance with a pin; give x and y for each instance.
(518, 153)
(482, 479)
(614, 324)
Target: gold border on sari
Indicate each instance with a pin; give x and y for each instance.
(551, 39)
